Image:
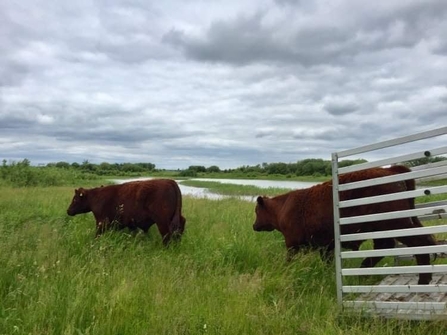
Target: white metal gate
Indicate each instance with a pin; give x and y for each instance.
(398, 295)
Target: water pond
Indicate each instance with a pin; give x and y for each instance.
(200, 192)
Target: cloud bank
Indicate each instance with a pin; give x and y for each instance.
(225, 83)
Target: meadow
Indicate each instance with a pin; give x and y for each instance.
(222, 278)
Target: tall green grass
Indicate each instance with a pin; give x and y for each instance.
(23, 175)
(223, 278)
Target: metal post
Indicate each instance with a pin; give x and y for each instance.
(337, 255)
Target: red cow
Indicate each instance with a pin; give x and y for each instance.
(305, 217)
(137, 204)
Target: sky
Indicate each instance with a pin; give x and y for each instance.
(226, 83)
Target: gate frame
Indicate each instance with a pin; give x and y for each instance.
(412, 310)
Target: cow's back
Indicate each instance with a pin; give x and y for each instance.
(156, 197)
(309, 212)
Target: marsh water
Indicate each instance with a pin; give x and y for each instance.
(199, 192)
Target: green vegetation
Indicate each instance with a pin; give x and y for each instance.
(302, 170)
(316, 168)
(22, 174)
(223, 278)
(311, 169)
(107, 168)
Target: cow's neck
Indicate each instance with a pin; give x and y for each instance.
(101, 202)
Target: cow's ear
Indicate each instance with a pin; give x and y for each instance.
(260, 201)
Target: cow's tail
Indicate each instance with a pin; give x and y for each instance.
(178, 221)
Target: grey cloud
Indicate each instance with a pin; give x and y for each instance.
(340, 106)
(238, 41)
(12, 123)
(441, 47)
(262, 133)
(133, 50)
(289, 2)
(12, 73)
(336, 108)
(253, 38)
(131, 80)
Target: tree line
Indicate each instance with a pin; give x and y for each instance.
(106, 168)
(22, 173)
(307, 167)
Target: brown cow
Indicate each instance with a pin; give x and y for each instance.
(137, 204)
(305, 217)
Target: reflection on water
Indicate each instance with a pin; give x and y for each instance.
(263, 183)
(199, 192)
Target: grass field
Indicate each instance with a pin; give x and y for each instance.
(223, 278)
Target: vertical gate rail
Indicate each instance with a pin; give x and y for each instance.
(417, 307)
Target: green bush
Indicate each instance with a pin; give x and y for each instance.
(22, 174)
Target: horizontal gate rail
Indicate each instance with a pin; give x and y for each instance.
(396, 305)
(395, 289)
(390, 143)
(394, 233)
(394, 160)
(393, 215)
(394, 196)
(432, 249)
(394, 270)
(393, 178)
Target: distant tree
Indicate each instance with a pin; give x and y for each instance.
(24, 163)
(278, 168)
(312, 166)
(188, 173)
(129, 167)
(63, 165)
(197, 168)
(213, 168)
(87, 166)
(104, 166)
(146, 166)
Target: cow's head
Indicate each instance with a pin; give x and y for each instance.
(79, 204)
(265, 216)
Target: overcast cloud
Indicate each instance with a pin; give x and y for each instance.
(227, 83)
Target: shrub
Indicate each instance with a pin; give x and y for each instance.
(22, 174)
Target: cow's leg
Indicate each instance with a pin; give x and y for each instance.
(417, 241)
(293, 247)
(381, 243)
(145, 227)
(165, 232)
(132, 230)
(100, 227)
(182, 224)
(177, 229)
(327, 252)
